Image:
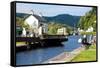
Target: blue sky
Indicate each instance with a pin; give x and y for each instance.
(51, 10)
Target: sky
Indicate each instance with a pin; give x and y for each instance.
(51, 10)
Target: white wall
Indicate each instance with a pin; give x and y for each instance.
(5, 34)
(32, 21)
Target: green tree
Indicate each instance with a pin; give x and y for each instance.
(22, 23)
(88, 20)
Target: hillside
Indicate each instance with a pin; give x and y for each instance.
(62, 18)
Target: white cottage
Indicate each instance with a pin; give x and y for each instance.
(90, 29)
(62, 31)
(37, 23)
(32, 21)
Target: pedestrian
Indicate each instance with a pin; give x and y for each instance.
(24, 32)
(85, 42)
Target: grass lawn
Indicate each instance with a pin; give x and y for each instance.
(86, 55)
(88, 33)
(20, 43)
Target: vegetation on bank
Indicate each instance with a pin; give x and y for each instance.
(53, 27)
(88, 33)
(86, 55)
(89, 19)
(21, 23)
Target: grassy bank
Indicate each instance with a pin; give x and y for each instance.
(20, 43)
(86, 55)
(88, 33)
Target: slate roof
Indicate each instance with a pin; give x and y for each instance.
(41, 19)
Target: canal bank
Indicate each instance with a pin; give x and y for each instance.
(65, 56)
(41, 55)
(45, 41)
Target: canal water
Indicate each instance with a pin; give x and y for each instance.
(38, 56)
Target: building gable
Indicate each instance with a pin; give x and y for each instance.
(32, 21)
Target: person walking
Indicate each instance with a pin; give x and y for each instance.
(84, 42)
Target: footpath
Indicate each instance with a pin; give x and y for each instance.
(65, 56)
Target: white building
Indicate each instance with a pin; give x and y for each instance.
(90, 29)
(32, 21)
(62, 31)
(37, 23)
(80, 30)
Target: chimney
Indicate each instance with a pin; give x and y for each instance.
(32, 12)
(40, 14)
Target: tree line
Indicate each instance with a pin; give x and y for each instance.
(88, 20)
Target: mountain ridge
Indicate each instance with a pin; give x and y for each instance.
(61, 18)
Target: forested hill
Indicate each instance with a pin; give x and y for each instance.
(88, 20)
(62, 18)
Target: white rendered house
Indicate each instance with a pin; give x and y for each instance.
(35, 22)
